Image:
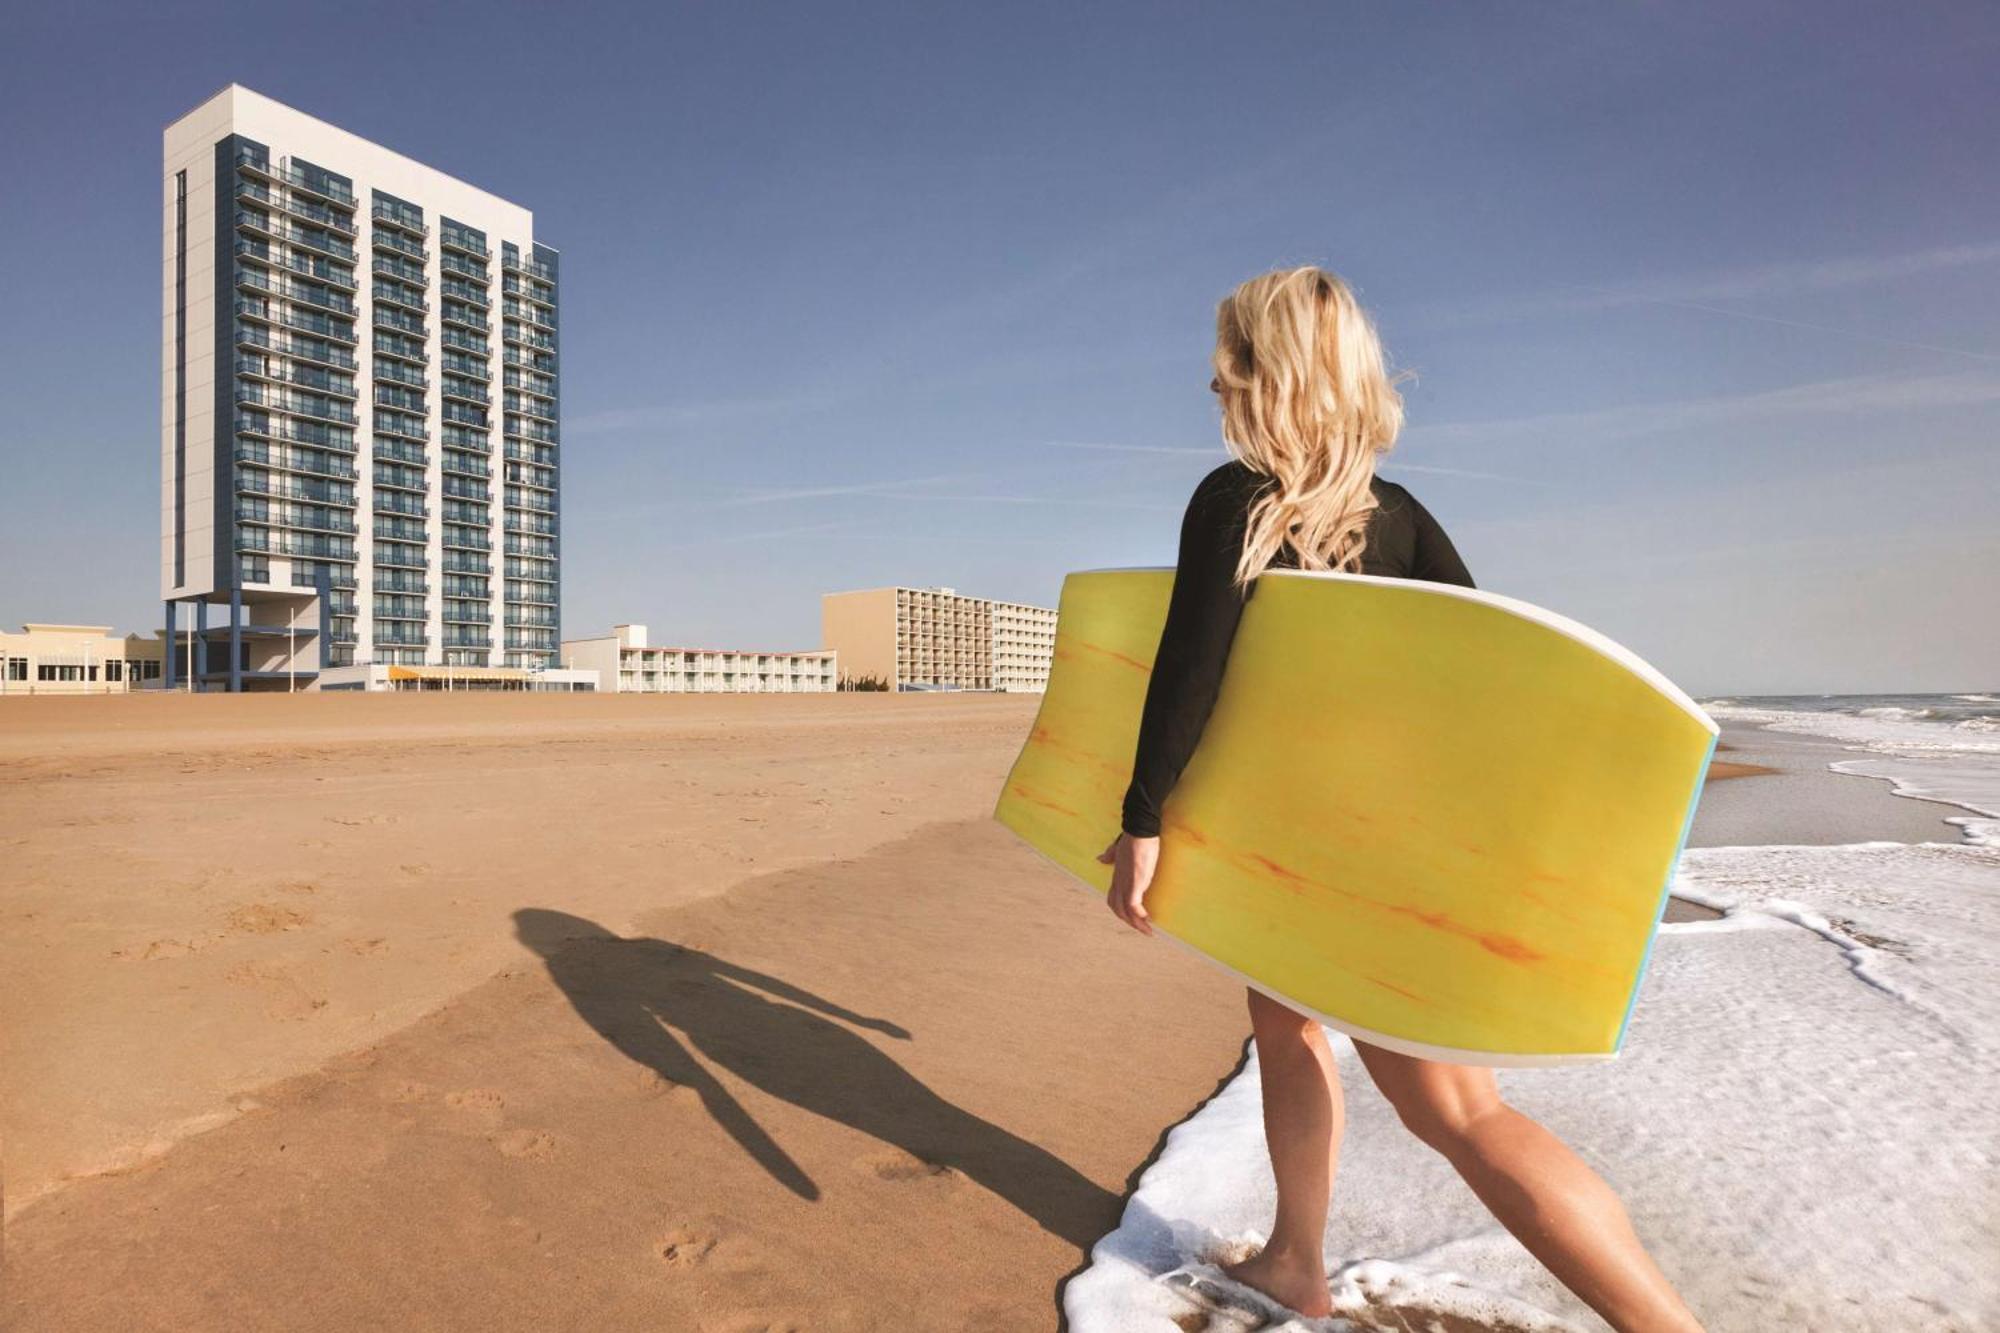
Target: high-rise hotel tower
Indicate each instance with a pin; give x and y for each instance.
(358, 447)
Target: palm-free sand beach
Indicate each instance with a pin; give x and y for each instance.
(455, 1012)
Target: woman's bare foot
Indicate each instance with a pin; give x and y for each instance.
(1295, 1281)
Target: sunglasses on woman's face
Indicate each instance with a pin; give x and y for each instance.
(1215, 386)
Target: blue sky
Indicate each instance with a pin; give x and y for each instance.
(1700, 298)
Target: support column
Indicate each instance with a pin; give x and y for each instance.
(236, 640)
(323, 582)
(200, 681)
(168, 670)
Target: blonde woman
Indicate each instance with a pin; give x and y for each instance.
(1307, 408)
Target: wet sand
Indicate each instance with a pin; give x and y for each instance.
(484, 1012)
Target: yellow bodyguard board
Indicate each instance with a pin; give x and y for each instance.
(1441, 820)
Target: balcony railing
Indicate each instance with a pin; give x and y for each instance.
(281, 487)
(309, 461)
(401, 244)
(534, 267)
(321, 214)
(272, 542)
(307, 405)
(325, 187)
(293, 516)
(396, 217)
(398, 294)
(395, 451)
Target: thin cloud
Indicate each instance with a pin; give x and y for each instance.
(1886, 340)
(1390, 462)
(914, 491)
(1844, 397)
(1699, 292)
(1811, 275)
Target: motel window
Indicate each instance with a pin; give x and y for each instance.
(152, 670)
(114, 670)
(17, 668)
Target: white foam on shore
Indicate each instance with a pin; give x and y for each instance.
(1802, 1124)
(1954, 762)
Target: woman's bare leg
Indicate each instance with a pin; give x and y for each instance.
(1302, 1120)
(1541, 1191)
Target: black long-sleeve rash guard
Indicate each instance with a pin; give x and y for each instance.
(1404, 541)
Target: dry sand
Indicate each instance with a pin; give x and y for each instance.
(551, 1012)
(859, 1054)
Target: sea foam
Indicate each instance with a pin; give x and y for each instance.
(1801, 1124)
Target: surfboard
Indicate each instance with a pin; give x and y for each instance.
(1440, 820)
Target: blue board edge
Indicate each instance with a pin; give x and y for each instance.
(1660, 912)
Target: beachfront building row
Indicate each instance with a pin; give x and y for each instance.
(937, 639)
(637, 667)
(79, 659)
(359, 452)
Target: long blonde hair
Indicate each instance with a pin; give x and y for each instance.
(1307, 400)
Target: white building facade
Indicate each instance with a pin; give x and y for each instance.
(625, 657)
(359, 425)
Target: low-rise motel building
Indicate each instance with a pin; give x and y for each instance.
(938, 639)
(637, 667)
(79, 659)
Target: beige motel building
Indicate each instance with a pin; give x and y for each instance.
(78, 659)
(937, 639)
(637, 667)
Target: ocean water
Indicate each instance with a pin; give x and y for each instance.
(1802, 1123)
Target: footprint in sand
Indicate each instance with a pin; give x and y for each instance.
(536, 1145)
(652, 1083)
(284, 997)
(355, 821)
(266, 919)
(406, 1091)
(684, 1246)
(481, 1103)
(364, 947)
(156, 949)
(905, 1166)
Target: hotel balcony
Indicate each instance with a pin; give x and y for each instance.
(304, 405)
(319, 213)
(392, 266)
(533, 267)
(388, 214)
(463, 242)
(308, 462)
(399, 295)
(407, 349)
(285, 488)
(326, 188)
(396, 451)
(399, 243)
(399, 556)
(395, 372)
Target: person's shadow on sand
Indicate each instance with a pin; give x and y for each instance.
(647, 997)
